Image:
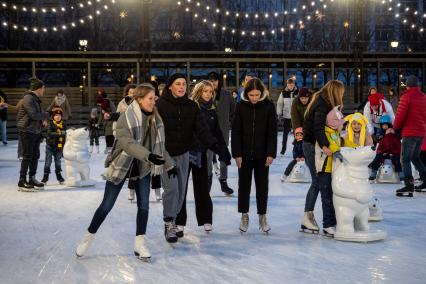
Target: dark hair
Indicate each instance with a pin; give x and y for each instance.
(290, 81)
(127, 88)
(214, 76)
(60, 91)
(392, 90)
(254, 84)
(155, 85)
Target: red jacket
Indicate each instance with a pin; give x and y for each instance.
(411, 113)
(390, 144)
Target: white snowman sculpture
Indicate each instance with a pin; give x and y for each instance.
(386, 173)
(300, 173)
(77, 157)
(352, 194)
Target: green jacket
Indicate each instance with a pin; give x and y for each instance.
(298, 113)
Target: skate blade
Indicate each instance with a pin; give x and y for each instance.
(420, 190)
(143, 258)
(23, 189)
(243, 232)
(405, 194)
(328, 235)
(309, 231)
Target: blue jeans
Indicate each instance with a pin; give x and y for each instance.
(411, 148)
(142, 188)
(57, 155)
(3, 124)
(312, 195)
(324, 186)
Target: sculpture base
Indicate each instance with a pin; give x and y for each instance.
(360, 236)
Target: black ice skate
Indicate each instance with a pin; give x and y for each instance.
(23, 185)
(169, 232)
(45, 178)
(421, 187)
(406, 191)
(60, 178)
(225, 188)
(36, 184)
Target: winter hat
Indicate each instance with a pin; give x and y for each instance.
(412, 81)
(173, 78)
(55, 111)
(304, 93)
(251, 74)
(361, 119)
(36, 84)
(94, 112)
(335, 118)
(385, 119)
(298, 130)
(374, 99)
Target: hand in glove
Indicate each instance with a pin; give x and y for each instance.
(339, 156)
(172, 172)
(156, 160)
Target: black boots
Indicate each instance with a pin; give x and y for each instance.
(407, 190)
(225, 188)
(35, 183)
(23, 185)
(59, 177)
(45, 178)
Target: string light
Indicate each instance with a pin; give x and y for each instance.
(23, 8)
(407, 11)
(256, 15)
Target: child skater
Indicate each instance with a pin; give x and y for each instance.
(55, 141)
(356, 133)
(323, 164)
(254, 147)
(93, 126)
(297, 152)
(389, 148)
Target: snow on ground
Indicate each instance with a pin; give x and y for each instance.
(39, 232)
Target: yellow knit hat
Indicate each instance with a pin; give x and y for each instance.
(361, 119)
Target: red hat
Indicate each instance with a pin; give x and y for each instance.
(304, 93)
(298, 130)
(374, 99)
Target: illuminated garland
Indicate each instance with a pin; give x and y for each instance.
(408, 12)
(44, 10)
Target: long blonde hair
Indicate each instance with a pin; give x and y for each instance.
(332, 92)
(198, 90)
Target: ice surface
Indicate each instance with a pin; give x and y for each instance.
(39, 232)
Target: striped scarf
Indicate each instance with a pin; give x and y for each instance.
(60, 138)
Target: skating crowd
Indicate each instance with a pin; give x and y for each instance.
(158, 135)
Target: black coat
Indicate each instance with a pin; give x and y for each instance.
(298, 149)
(210, 117)
(182, 123)
(314, 124)
(30, 114)
(254, 130)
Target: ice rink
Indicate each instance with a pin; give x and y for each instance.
(39, 232)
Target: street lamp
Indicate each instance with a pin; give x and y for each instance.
(83, 44)
(394, 44)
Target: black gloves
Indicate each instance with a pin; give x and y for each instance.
(156, 160)
(339, 156)
(172, 172)
(223, 152)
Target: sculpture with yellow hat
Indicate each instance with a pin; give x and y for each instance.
(357, 134)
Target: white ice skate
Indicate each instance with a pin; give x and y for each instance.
(141, 251)
(283, 178)
(208, 227)
(132, 194)
(329, 232)
(244, 224)
(386, 173)
(158, 196)
(309, 224)
(351, 195)
(84, 244)
(263, 224)
(300, 173)
(376, 212)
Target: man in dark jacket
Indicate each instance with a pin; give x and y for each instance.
(224, 108)
(411, 120)
(182, 122)
(29, 121)
(3, 117)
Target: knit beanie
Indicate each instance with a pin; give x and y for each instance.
(173, 78)
(335, 118)
(54, 111)
(374, 99)
(36, 84)
(304, 93)
(412, 81)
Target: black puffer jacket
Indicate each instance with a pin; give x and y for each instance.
(254, 129)
(182, 123)
(314, 124)
(209, 116)
(30, 114)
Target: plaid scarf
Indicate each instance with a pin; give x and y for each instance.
(153, 138)
(60, 138)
